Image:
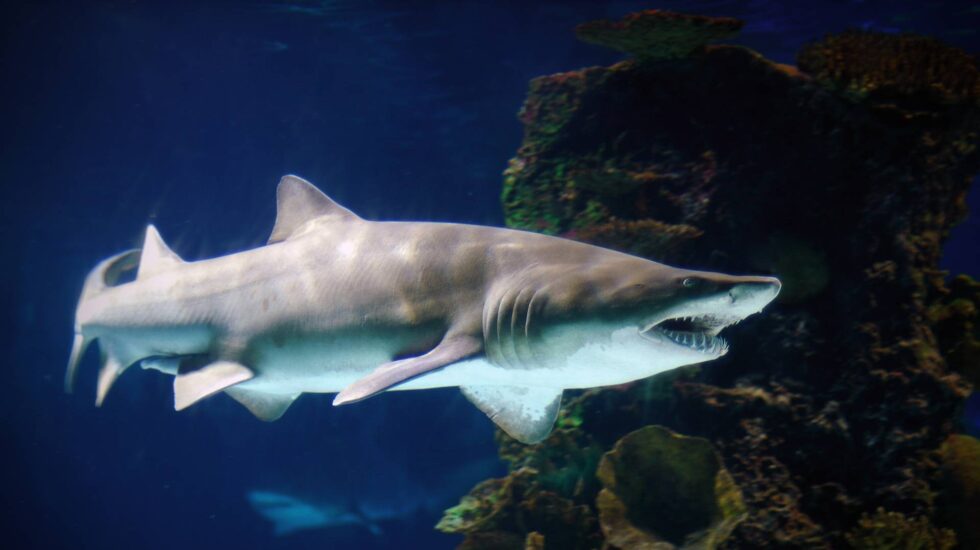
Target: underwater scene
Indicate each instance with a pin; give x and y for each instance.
(491, 275)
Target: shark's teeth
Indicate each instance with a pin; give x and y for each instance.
(700, 336)
(697, 341)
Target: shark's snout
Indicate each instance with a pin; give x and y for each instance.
(758, 290)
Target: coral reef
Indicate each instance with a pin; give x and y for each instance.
(956, 322)
(893, 531)
(893, 66)
(842, 178)
(959, 503)
(660, 487)
(658, 34)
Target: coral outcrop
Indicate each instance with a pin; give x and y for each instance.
(890, 66)
(892, 530)
(843, 178)
(658, 34)
(959, 502)
(664, 490)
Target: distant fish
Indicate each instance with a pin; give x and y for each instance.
(391, 496)
(289, 514)
(335, 303)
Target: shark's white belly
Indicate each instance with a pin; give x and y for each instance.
(330, 363)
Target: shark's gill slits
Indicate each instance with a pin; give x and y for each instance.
(518, 326)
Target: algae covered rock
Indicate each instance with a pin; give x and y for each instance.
(885, 530)
(664, 490)
(956, 321)
(843, 179)
(518, 511)
(885, 66)
(960, 501)
(658, 34)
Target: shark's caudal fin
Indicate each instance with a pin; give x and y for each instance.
(298, 202)
(105, 274)
(155, 257)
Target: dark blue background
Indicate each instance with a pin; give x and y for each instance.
(115, 114)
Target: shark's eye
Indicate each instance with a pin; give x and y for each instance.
(689, 282)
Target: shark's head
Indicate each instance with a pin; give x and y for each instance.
(625, 319)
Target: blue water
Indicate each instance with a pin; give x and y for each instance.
(116, 114)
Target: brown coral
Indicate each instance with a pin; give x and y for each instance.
(885, 530)
(956, 322)
(658, 34)
(892, 66)
(661, 487)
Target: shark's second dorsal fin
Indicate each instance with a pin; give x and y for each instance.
(299, 201)
(156, 255)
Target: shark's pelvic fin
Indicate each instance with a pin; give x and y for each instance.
(450, 350)
(156, 256)
(265, 406)
(299, 201)
(191, 387)
(525, 413)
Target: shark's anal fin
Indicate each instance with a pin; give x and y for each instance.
(451, 349)
(191, 387)
(265, 406)
(527, 414)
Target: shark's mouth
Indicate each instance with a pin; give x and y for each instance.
(698, 333)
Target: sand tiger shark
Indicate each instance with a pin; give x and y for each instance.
(338, 304)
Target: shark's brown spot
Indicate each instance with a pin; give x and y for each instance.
(265, 304)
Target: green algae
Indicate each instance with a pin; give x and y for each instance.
(696, 503)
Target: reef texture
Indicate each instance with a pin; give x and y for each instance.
(665, 490)
(658, 34)
(831, 408)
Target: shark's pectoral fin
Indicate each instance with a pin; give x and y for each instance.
(265, 406)
(450, 350)
(526, 414)
(191, 387)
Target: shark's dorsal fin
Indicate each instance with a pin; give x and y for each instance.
(451, 349)
(265, 406)
(527, 414)
(206, 381)
(156, 255)
(299, 201)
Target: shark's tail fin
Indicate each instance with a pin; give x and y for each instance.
(104, 275)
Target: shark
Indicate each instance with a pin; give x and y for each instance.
(394, 493)
(334, 303)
